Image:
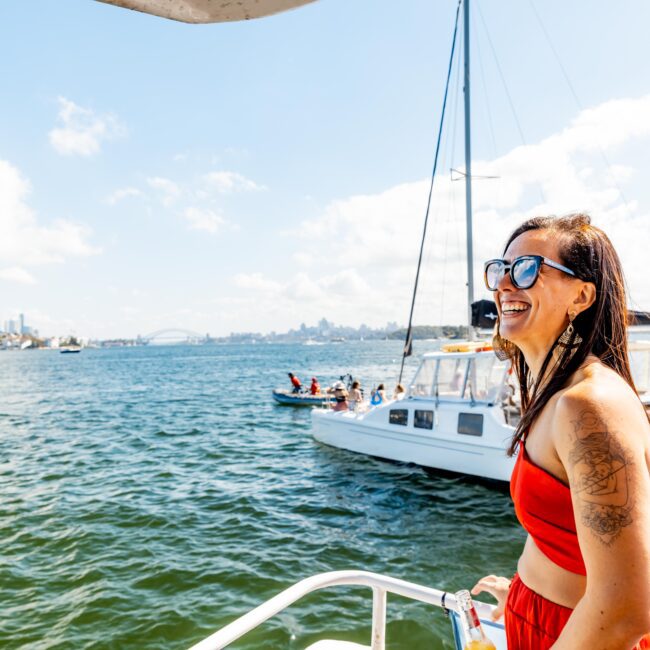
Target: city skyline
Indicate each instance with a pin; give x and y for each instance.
(253, 176)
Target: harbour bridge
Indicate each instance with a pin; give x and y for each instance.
(174, 335)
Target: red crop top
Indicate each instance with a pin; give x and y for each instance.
(544, 508)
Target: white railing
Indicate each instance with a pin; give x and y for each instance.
(379, 584)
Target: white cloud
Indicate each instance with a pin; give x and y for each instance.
(169, 190)
(123, 193)
(202, 219)
(83, 131)
(361, 252)
(24, 242)
(227, 182)
(203, 212)
(16, 274)
(256, 282)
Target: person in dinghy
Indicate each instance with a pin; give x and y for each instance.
(581, 483)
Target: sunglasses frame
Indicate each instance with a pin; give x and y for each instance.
(508, 266)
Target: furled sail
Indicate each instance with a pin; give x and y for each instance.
(209, 11)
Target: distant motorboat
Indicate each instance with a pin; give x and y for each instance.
(290, 398)
(70, 350)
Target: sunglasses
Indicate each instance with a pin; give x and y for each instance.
(524, 271)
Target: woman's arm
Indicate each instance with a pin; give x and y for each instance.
(601, 437)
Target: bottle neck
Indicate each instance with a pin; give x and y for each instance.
(472, 625)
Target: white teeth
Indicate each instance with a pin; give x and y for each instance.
(509, 308)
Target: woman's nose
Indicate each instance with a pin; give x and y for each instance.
(505, 282)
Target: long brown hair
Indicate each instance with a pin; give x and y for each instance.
(586, 250)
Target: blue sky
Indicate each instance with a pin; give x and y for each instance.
(252, 176)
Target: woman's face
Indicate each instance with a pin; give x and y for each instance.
(534, 318)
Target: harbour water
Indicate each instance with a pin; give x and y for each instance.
(151, 495)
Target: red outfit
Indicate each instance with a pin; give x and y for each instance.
(296, 382)
(315, 388)
(535, 623)
(544, 508)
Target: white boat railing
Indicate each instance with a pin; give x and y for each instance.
(380, 585)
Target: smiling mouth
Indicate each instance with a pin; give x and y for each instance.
(514, 308)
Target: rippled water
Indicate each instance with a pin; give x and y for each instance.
(151, 495)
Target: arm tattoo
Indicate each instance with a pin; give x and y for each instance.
(600, 471)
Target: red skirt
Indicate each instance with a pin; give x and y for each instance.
(535, 623)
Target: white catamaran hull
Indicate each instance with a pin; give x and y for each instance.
(441, 447)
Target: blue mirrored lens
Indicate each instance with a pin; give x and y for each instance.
(493, 274)
(525, 272)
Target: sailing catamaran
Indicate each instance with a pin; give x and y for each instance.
(459, 410)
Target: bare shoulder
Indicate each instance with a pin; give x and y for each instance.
(603, 398)
(601, 436)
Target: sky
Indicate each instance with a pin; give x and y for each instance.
(254, 176)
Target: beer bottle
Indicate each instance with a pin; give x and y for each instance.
(475, 638)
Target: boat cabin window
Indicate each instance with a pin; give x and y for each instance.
(422, 385)
(470, 424)
(450, 381)
(423, 419)
(486, 380)
(398, 416)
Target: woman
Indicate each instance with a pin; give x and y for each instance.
(378, 395)
(356, 397)
(581, 484)
(399, 393)
(340, 396)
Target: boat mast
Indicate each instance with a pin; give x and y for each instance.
(468, 172)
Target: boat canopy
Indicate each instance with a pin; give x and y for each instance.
(473, 376)
(209, 11)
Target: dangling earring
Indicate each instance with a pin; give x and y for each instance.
(503, 349)
(570, 338)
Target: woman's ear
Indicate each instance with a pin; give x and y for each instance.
(585, 298)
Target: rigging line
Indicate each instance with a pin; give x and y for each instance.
(445, 154)
(484, 86)
(455, 120)
(505, 86)
(451, 204)
(408, 342)
(573, 92)
(450, 135)
(449, 150)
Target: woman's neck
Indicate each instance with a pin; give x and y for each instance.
(535, 357)
(535, 363)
